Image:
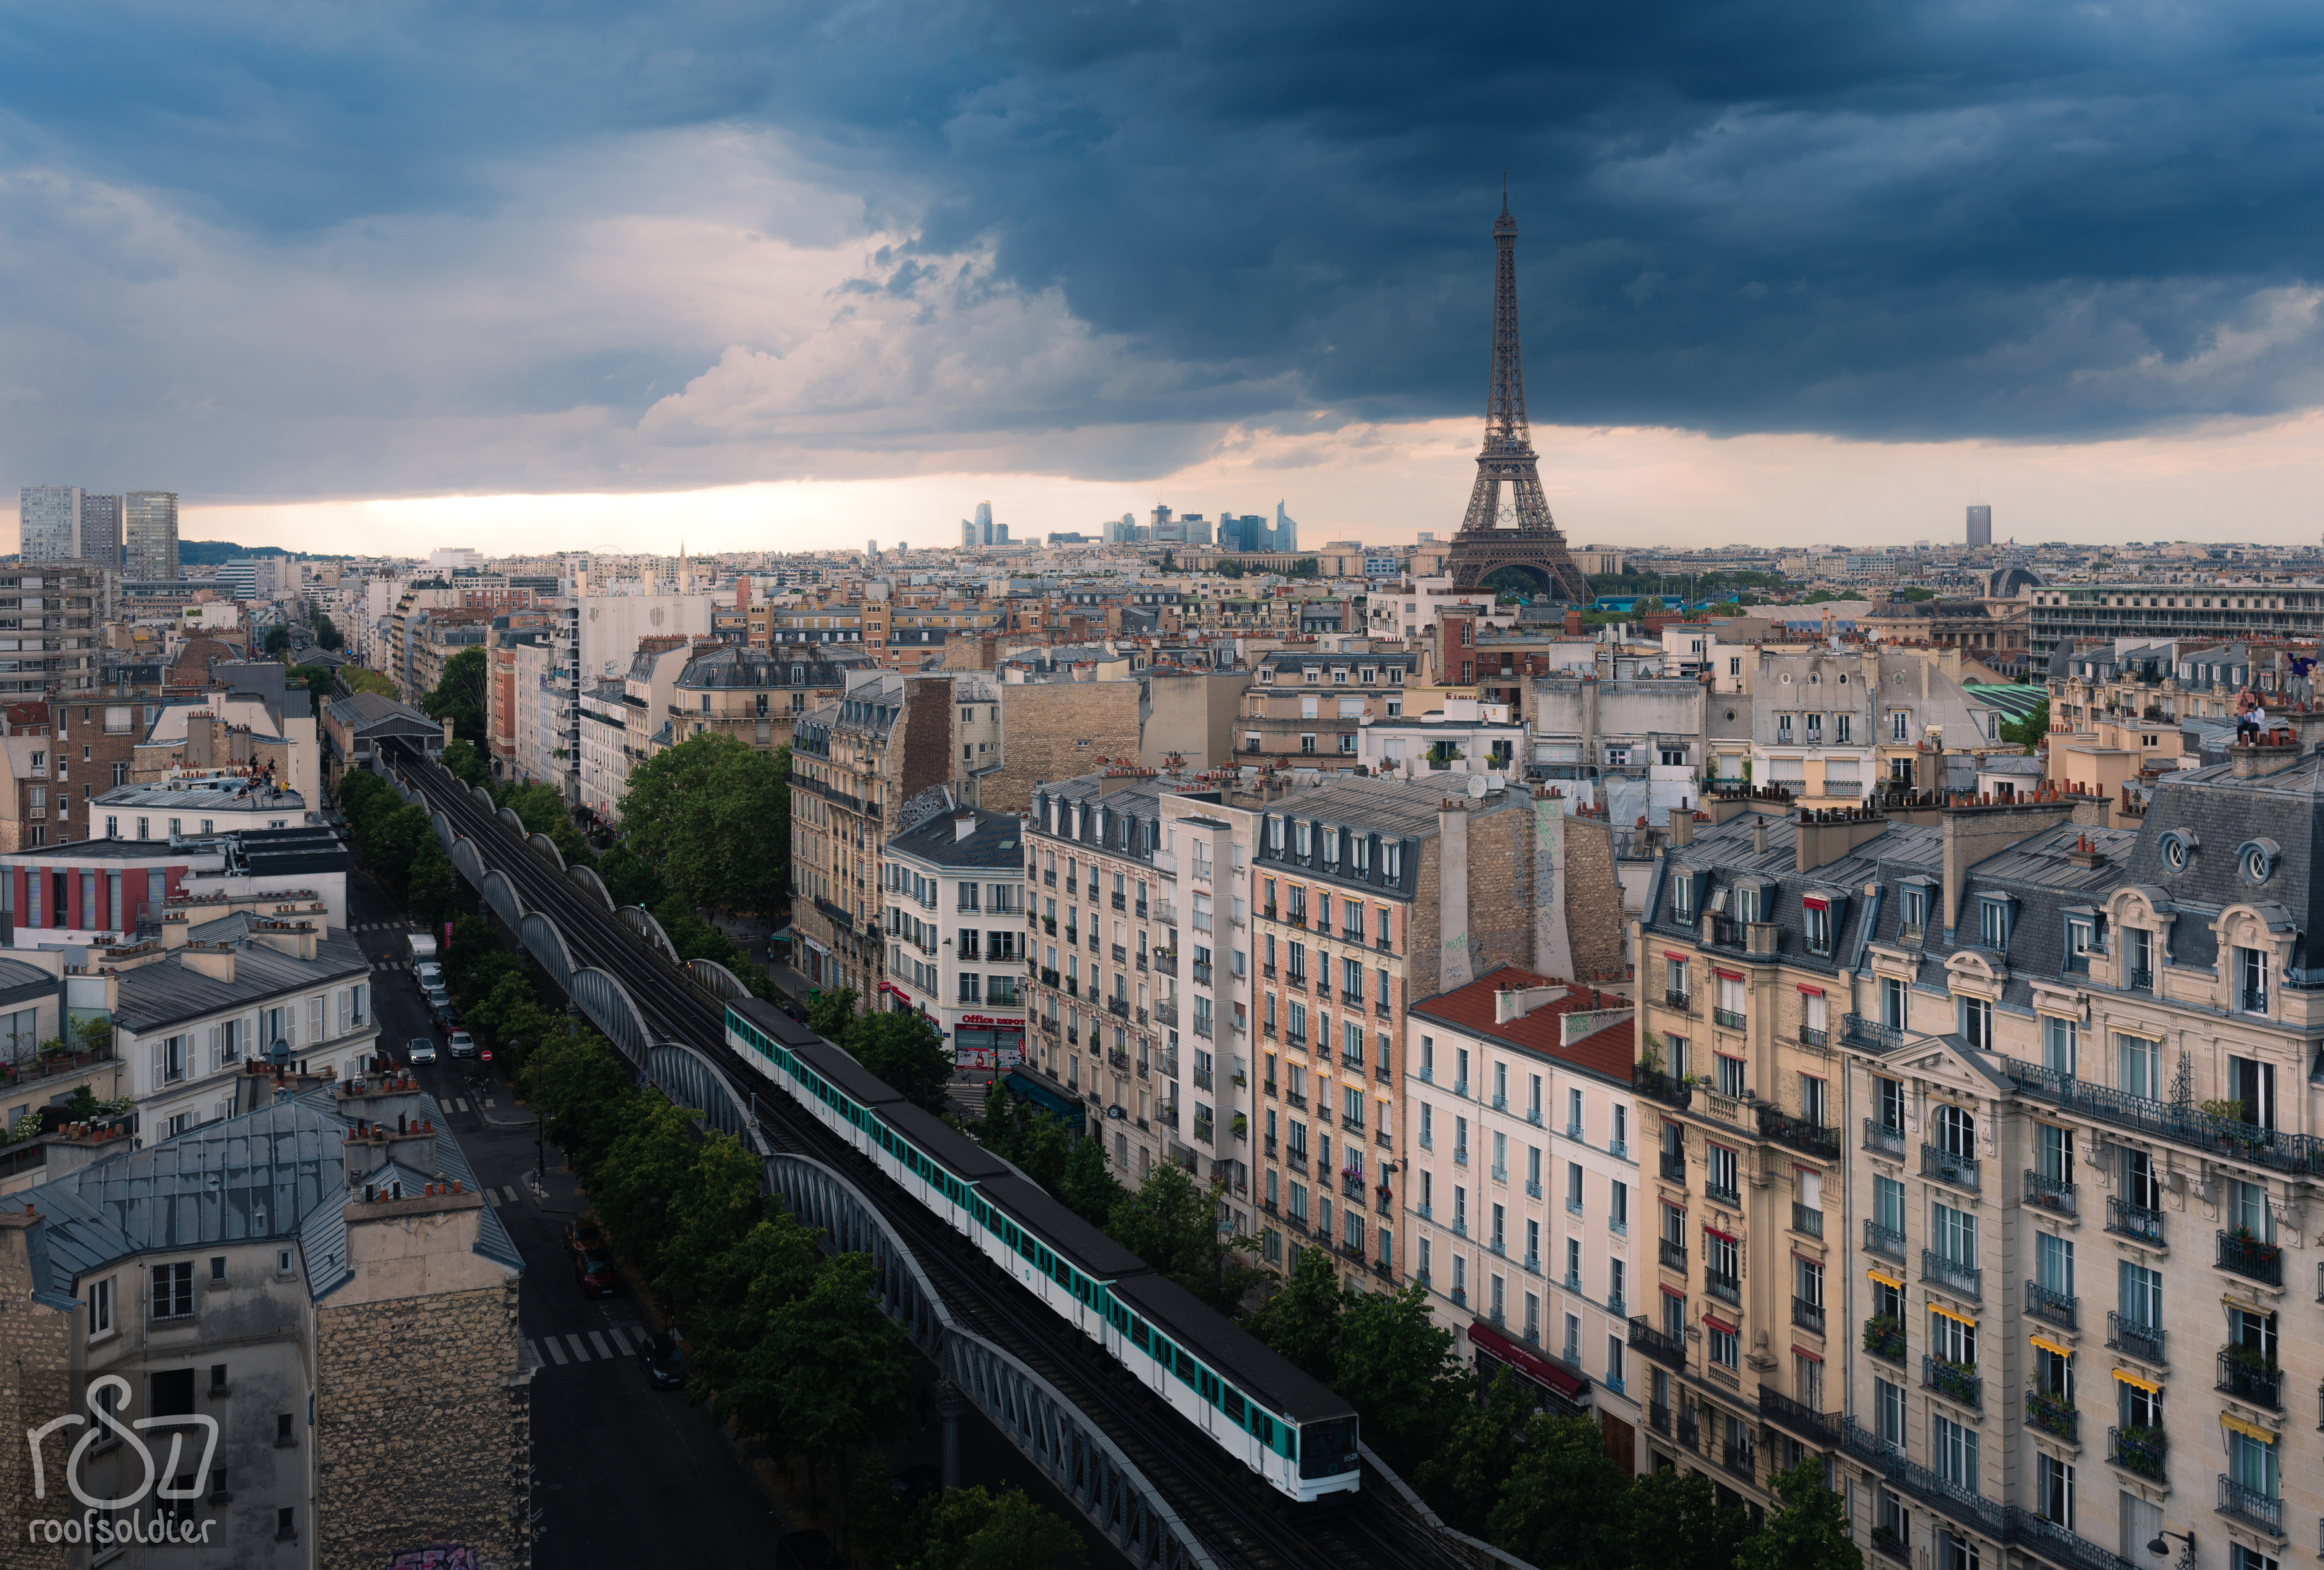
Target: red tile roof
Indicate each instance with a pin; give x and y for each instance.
(1609, 1052)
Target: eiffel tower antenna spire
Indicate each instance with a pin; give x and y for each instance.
(1516, 531)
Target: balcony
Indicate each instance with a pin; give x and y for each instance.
(1719, 1193)
(1687, 1432)
(1118, 1006)
(2127, 1220)
(1959, 1170)
(1952, 1381)
(1681, 1001)
(1199, 971)
(2057, 1307)
(1657, 1085)
(2139, 1450)
(1807, 1315)
(1673, 1254)
(1732, 1019)
(1859, 1032)
(1952, 1499)
(1813, 1139)
(1166, 1014)
(1742, 1460)
(2134, 1339)
(1658, 1417)
(2250, 1506)
(2250, 1258)
(1882, 1140)
(2053, 1415)
(1726, 1289)
(1961, 1279)
(2248, 1377)
(1880, 1239)
(1822, 1428)
(1885, 1337)
(2231, 1138)
(1673, 1166)
(2050, 1193)
(1814, 1039)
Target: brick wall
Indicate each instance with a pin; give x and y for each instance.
(1593, 899)
(927, 728)
(1055, 730)
(422, 1419)
(36, 1384)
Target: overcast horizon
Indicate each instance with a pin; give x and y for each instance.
(608, 275)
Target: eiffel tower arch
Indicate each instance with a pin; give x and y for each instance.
(1507, 539)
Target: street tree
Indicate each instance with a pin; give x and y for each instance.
(903, 1048)
(713, 814)
(1809, 1532)
(1172, 1223)
(1402, 1372)
(1301, 1321)
(844, 1371)
(1562, 1507)
(461, 694)
(970, 1529)
(1674, 1521)
(1465, 1477)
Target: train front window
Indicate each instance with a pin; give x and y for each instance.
(1330, 1448)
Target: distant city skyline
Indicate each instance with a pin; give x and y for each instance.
(1383, 485)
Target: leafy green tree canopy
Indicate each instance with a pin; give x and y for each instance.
(904, 1050)
(1810, 1532)
(460, 695)
(713, 815)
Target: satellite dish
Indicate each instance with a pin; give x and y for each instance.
(1478, 787)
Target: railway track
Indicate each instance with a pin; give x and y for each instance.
(1231, 1511)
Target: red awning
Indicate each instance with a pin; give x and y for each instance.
(1799, 1351)
(1720, 1325)
(1722, 1236)
(1810, 991)
(1532, 1365)
(1674, 954)
(1671, 1291)
(1728, 975)
(1814, 902)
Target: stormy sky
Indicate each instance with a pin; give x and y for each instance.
(278, 254)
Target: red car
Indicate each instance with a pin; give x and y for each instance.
(596, 1274)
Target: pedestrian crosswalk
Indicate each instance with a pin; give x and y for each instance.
(377, 927)
(606, 1346)
(496, 1197)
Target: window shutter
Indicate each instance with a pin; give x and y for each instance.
(217, 1051)
(157, 1061)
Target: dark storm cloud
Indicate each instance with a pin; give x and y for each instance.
(1885, 221)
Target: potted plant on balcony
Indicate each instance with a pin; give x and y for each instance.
(2250, 1359)
(1883, 1334)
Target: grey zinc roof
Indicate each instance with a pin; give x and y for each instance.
(2224, 812)
(359, 711)
(166, 991)
(997, 843)
(264, 1174)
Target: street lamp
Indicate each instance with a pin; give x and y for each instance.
(2159, 1549)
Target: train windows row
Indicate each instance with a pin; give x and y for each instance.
(1280, 1438)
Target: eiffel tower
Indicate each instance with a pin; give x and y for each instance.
(1508, 533)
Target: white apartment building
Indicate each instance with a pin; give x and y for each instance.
(1205, 857)
(1528, 1216)
(953, 888)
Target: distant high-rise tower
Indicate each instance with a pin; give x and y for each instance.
(50, 516)
(1980, 526)
(1287, 531)
(100, 530)
(985, 523)
(149, 528)
(1507, 527)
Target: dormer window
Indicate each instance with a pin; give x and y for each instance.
(1392, 860)
(1275, 834)
(1331, 845)
(1303, 841)
(1816, 911)
(1682, 897)
(1993, 923)
(1915, 911)
(1748, 902)
(1313, 675)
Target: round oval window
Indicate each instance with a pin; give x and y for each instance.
(2174, 851)
(2256, 865)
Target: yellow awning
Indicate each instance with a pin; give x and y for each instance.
(2050, 1346)
(1886, 1280)
(1956, 1319)
(2148, 1385)
(2248, 1430)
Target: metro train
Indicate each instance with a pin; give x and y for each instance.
(1287, 1428)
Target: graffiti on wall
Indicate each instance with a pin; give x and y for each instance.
(435, 1556)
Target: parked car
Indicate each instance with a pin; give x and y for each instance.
(583, 1236)
(463, 1044)
(428, 974)
(598, 1274)
(663, 1359)
(420, 1050)
(436, 995)
(446, 1017)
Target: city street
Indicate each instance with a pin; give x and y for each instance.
(626, 1475)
